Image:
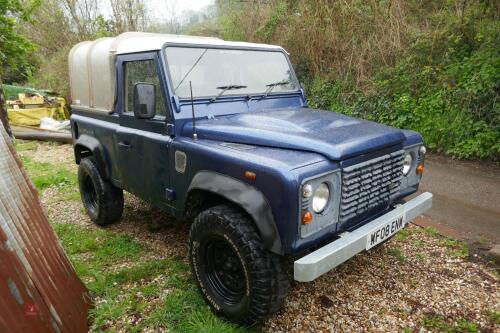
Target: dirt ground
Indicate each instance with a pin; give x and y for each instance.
(419, 281)
(466, 197)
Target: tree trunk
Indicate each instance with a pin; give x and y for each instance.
(39, 289)
(3, 112)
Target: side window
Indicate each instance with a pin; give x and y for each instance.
(143, 71)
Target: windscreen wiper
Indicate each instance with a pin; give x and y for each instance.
(226, 88)
(271, 86)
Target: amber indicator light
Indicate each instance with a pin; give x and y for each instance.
(307, 218)
(250, 175)
(420, 169)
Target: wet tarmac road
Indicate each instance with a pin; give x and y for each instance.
(466, 198)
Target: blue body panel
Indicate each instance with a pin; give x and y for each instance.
(281, 141)
(331, 134)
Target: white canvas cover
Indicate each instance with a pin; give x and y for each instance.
(92, 69)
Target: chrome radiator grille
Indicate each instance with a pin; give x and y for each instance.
(370, 184)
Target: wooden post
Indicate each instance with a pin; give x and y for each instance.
(3, 112)
(39, 289)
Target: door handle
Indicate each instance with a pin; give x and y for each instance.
(124, 145)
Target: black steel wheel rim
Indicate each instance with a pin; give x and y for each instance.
(89, 192)
(224, 270)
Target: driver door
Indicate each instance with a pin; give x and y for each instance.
(143, 148)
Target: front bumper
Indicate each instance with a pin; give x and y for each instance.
(349, 244)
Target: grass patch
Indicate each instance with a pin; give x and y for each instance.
(438, 324)
(458, 248)
(493, 316)
(22, 145)
(186, 311)
(203, 320)
(127, 294)
(115, 308)
(79, 239)
(105, 283)
(462, 251)
(402, 234)
(431, 231)
(71, 194)
(118, 247)
(421, 256)
(181, 309)
(396, 253)
(151, 290)
(105, 247)
(419, 242)
(484, 241)
(44, 175)
(464, 325)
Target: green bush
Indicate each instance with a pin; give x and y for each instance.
(12, 91)
(446, 88)
(430, 66)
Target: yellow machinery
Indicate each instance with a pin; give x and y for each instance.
(29, 109)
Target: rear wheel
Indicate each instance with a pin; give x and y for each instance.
(102, 201)
(237, 276)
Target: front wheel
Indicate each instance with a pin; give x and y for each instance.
(237, 276)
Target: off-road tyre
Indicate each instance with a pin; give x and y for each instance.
(103, 201)
(264, 278)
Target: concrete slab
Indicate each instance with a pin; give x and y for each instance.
(443, 229)
(466, 198)
(495, 252)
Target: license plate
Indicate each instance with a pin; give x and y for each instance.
(385, 231)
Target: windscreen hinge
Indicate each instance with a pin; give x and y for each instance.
(170, 130)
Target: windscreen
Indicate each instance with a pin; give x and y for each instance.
(214, 72)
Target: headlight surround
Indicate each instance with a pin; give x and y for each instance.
(407, 163)
(321, 198)
(323, 217)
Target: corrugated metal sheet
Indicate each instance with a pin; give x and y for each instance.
(39, 289)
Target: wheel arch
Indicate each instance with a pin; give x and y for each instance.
(245, 196)
(86, 146)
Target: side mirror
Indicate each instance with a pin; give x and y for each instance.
(144, 100)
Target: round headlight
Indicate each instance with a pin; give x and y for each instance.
(321, 197)
(407, 164)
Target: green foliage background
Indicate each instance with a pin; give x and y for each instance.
(430, 66)
(14, 46)
(446, 87)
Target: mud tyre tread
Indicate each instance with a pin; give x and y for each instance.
(102, 201)
(266, 275)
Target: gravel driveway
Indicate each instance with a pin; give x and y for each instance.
(417, 282)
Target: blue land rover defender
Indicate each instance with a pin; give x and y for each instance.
(219, 134)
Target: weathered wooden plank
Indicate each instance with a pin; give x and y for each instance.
(33, 133)
(39, 289)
